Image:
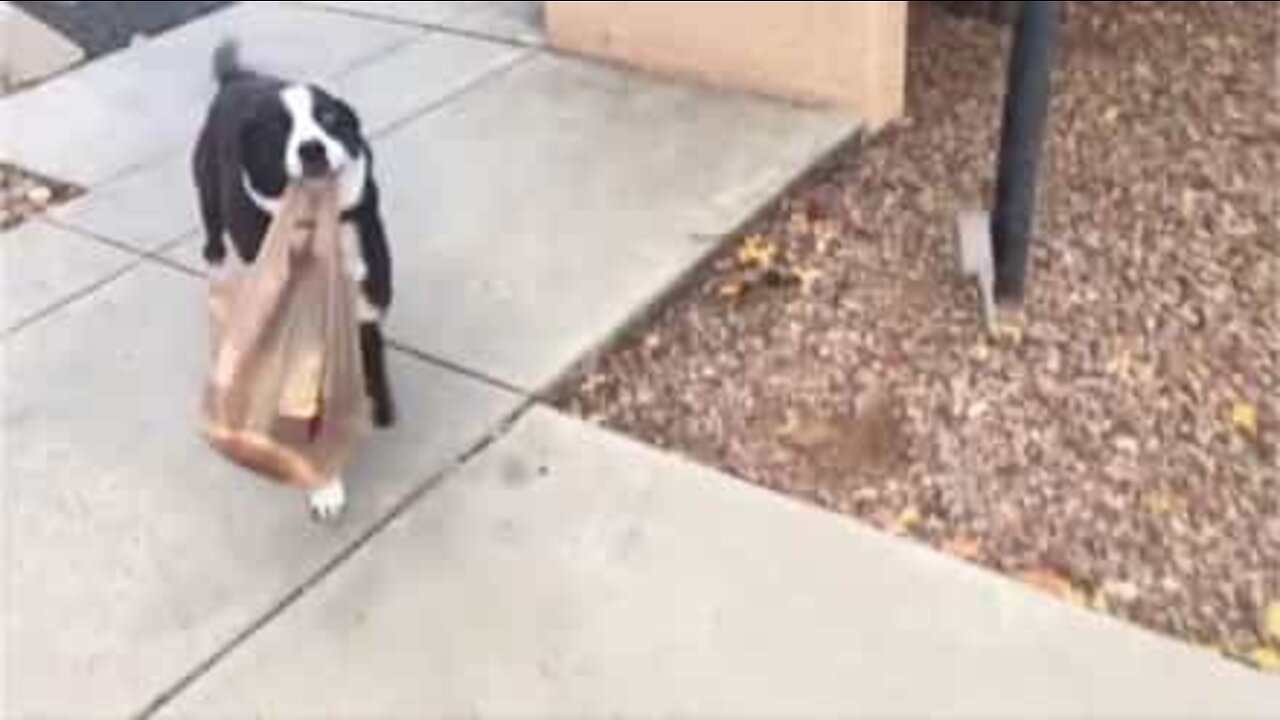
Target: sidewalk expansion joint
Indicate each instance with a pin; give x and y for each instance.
(440, 26)
(491, 75)
(433, 481)
(469, 373)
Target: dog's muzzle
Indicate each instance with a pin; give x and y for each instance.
(315, 160)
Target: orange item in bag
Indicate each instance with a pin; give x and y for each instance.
(285, 396)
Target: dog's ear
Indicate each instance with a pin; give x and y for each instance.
(340, 118)
(263, 139)
(350, 116)
(253, 144)
(249, 138)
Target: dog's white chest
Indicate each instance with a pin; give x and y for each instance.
(352, 257)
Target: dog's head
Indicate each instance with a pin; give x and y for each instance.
(299, 132)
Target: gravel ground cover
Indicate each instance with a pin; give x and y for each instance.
(1121, 450)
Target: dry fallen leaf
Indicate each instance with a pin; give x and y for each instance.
(1008, 333)
(907, 520)
(1054, 584)
(731, 289)
(1244, 418)
(756, 251)
(1124, 592)
(1271, 623)
(807, 277)
(1162, 503)
(825, 231)
(807, 434)
(1120, 365)
(964, 548)
(1266, 660)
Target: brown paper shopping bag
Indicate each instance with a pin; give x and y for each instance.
(285, 395)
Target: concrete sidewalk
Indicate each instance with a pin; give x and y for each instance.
(567, 572)
(498, 558)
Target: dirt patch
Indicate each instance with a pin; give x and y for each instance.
(1122, 449)
(24, 195)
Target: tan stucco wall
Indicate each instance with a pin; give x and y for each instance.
(850, 55)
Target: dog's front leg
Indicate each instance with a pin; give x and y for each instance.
(376, 299)
(375, 375)
(328, 502)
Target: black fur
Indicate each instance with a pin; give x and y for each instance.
(226, 63)
(245, 136)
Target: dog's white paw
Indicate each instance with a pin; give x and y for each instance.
(328, 502)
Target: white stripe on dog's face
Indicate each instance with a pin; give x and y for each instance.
(300, 104)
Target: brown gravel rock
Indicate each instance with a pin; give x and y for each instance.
(1102, 447)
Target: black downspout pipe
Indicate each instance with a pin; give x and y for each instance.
(1026, 108)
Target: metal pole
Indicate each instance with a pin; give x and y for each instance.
(1026, 107)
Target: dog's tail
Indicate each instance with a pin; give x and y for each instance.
(226, 63)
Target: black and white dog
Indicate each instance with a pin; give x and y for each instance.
(262, 133)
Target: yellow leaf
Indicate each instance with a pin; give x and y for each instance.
(1009, 333)
(1120, 364)
(1266, 659)
(1244, 418)
(757, 251)
(908, 519)
(1162, 503)
(1271, 622)
(807, 277)
(1211, 649)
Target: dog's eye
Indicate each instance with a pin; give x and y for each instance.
(329, 119)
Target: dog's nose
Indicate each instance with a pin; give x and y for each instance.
(313, 156)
